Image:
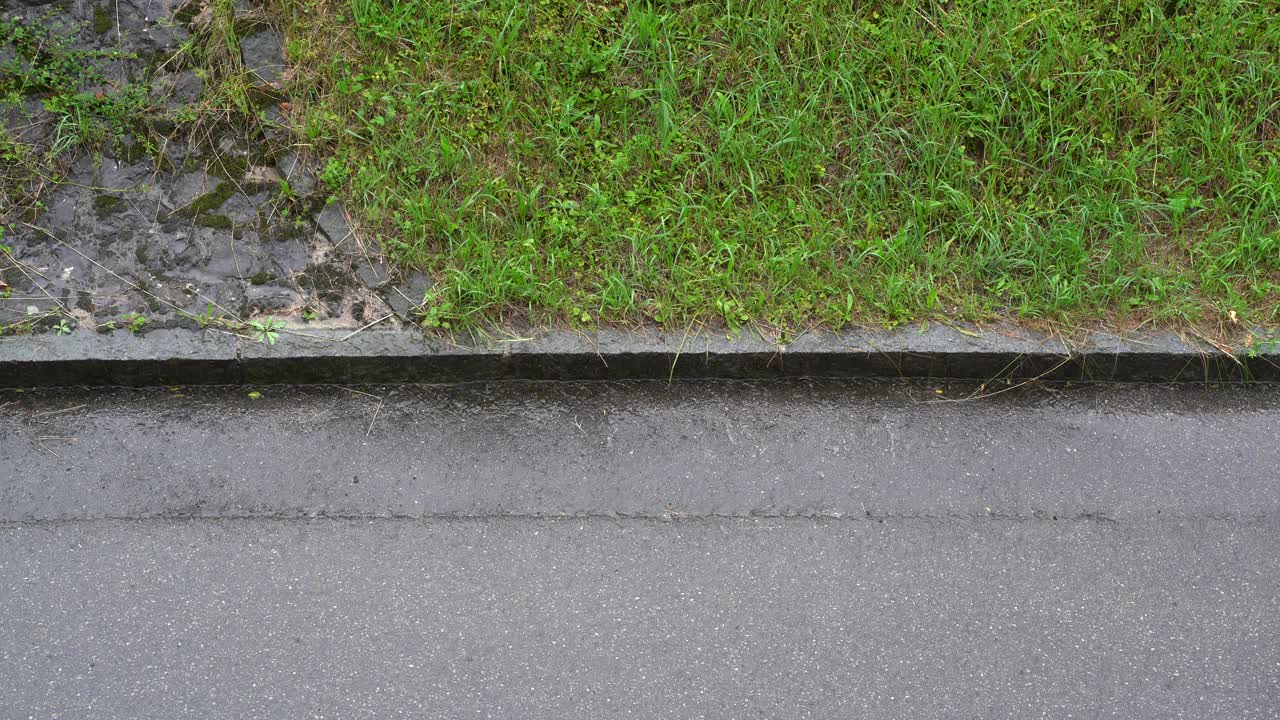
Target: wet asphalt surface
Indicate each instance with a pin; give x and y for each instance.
(803, 549)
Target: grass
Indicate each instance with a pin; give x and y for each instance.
(790, 162)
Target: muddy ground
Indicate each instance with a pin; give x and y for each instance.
(200, 226)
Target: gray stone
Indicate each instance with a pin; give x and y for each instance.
(243, 209)
(30, 122)
(180, 88)
(271, 299)
(298, 173)
(407, 294)
(290, 256)
(333, 222)
(263, 55)
(262, 176)
(116, 174)
(221, 256)
(133, 248)
(181, 190)
(371, 271)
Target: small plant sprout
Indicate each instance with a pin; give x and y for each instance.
(135, 322)
(266, 329)
(1258, 346)
(63, 327)
(211, 317)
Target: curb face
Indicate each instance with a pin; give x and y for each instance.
(188, 357)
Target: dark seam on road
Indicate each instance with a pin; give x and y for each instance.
(853, 518)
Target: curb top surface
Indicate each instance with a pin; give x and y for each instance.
(176, 356)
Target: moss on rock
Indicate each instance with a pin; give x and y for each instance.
(217, 222)
(102, 21)
(210, 201)
(104, 204)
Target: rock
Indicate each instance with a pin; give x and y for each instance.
(243, 209)
(371, 271)
(234, 146)
(333, 222)
(180, 191)
(262, 176)
(29, 122)
(147, 25)
(187, 86)
(271, 299)
(263, 55)
(298, 173)
(291, 257)
(117, 174)
(407, 294)
(179, 89)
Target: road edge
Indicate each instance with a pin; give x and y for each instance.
(190, 357)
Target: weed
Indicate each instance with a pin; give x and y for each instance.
(31, 322)
(266, 329)
(437, 310)
(1268, 344)
(63, 327)
(230, 99)
(781, 162)
(135, 322)
(207, 318)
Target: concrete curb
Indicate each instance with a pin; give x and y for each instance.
(188, 357)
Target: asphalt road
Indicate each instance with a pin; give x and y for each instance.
(695, 550)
